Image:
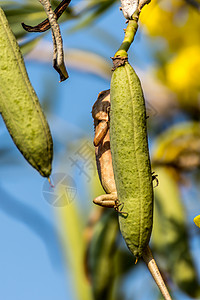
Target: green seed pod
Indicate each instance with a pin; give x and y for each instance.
(130, 158)
(19, 105)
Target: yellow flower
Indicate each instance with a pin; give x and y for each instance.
(197, 221)
(183, 71)
(175, 21)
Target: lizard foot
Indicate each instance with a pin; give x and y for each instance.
(117, 208)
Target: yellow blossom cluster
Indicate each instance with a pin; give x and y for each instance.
(178, 24)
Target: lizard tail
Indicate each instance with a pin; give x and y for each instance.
(153, 268)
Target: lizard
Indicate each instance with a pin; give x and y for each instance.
(100, 114)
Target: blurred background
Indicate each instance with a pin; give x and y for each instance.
(54, 243)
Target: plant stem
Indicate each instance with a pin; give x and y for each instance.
(153, 268)
(130, 32)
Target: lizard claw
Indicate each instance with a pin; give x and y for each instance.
(154, 177)
(116, 207)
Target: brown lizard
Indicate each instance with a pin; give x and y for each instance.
(100, 113)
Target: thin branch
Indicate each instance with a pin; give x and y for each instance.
(58, 57)
(130, 31)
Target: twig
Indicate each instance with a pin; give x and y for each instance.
(151, 264)
(130, 32)
(131, 29)
(45, 25)
(58, 57)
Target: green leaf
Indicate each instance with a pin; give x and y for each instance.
(91, 12)
(101, 255)
(179, 146)
(30, 13)
(169, 237)
(71, 230)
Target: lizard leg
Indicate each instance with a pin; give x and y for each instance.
(107, 200)
(110, 201)
(100, 132)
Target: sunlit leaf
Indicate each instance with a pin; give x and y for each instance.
(91, 11)
(179, 146)
(101, 255)
(30, 12)
(73, 244)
